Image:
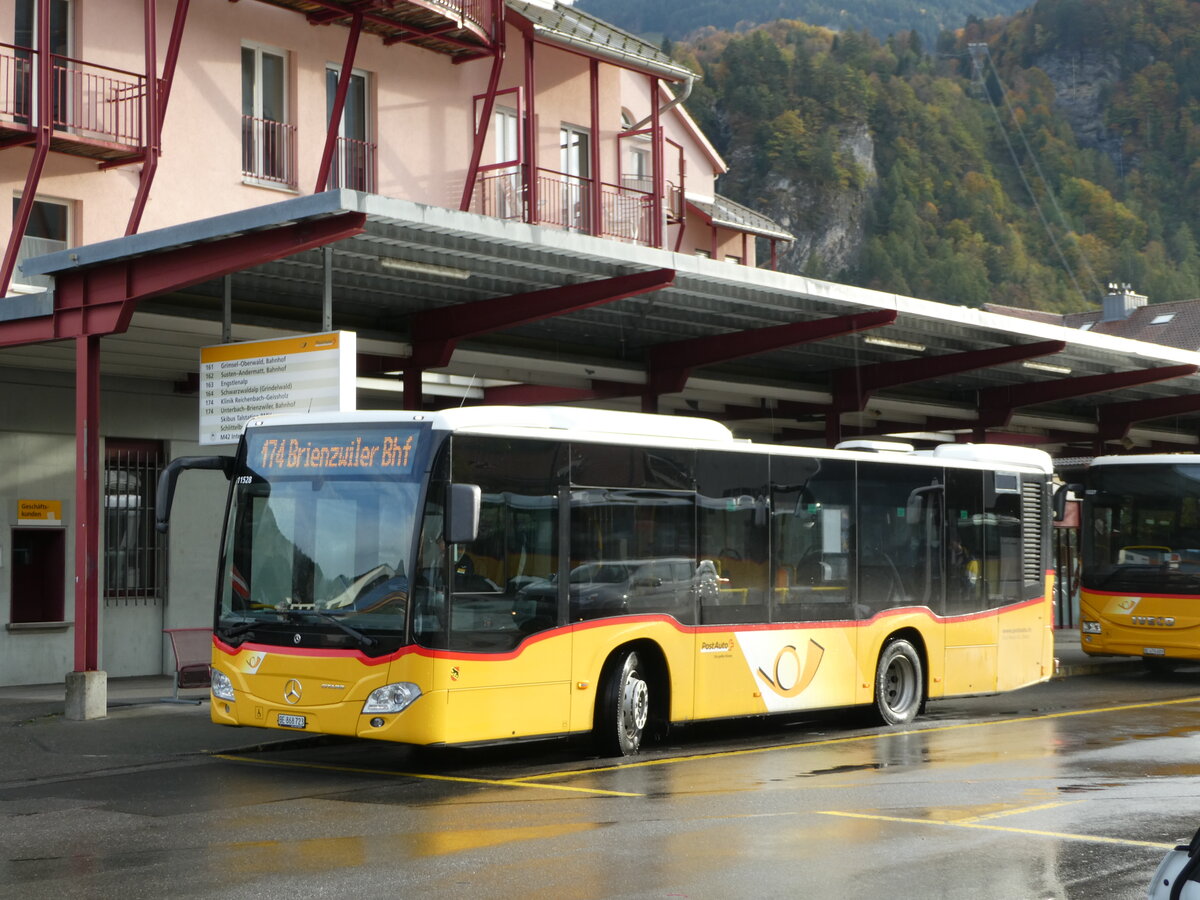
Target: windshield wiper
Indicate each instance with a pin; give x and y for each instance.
(297, 614)
(365, 640)
(242, 629)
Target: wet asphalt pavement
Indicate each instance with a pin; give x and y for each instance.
(1071, 789)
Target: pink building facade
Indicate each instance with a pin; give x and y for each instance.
(526, 110)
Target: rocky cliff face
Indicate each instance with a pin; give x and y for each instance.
(829, 223)
(1081, 79)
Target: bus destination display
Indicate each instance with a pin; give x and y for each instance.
(368, 453)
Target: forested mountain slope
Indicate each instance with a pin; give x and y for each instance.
(1063, 156)
(677, 18)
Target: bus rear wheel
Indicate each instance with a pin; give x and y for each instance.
(899, 684)
(624, 707)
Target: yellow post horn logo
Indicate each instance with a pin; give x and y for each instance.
(804, 676)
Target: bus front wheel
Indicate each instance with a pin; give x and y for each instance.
(899, 686)
(624, 707)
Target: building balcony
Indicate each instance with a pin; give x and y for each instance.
(96, 111)
(354, 166)
(269, 152)
(565, 201)
(461, 29)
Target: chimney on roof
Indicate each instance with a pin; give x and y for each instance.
(1121, 301)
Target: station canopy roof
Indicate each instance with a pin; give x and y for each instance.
(774, 356)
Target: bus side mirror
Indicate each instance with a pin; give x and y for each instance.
(1060, 499)
(170, 475)
(462, 513)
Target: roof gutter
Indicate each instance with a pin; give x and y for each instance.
(612, 54)
(683, 95)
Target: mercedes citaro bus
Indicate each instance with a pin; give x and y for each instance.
(1140, 550)
(497, 574)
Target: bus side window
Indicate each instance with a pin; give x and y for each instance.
(811, 539)
(503, 584)
(896, 556)
(732, 512)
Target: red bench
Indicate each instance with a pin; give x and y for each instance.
(193, 651)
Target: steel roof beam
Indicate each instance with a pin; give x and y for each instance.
(1115, 419)
(669, 365)
(434, 333)
(996, 405)
(101, 299)
(853, 387)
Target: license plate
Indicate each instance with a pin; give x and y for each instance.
(289, 721)
(1153, 651)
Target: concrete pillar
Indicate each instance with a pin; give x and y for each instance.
(87, 695)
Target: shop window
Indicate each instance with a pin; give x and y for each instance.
(134, 564)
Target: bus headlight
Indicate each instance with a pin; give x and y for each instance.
(1089, 627)
(391, 698)
(222, 687)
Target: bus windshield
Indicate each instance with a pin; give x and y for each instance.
(1143, 532)
(320, 532)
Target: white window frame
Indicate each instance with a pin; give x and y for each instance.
(288, 181)
(367, 138)
(27, 284)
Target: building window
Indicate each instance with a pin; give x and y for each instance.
(134, 557)
(268, 139)
(48, 231)
(575, 158)
(354, 160)
(25, 38)
(636, 172)
(504, 182)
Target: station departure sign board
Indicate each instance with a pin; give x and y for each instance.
(305, 373)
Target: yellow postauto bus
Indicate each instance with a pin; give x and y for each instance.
(1140, 547)
(497, 574)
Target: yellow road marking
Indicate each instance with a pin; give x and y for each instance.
(858, 738)
(1016, 812)
(494, 782)
(969, 823)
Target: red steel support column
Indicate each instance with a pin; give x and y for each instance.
(531, 140)
(87, 503)
(158, 93)
(339, 103)
(657, 162)
(151, 129)
(833, 428)
(45, 123)
(485, 123)
(596, 217)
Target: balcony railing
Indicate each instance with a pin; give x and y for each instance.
(626, 214)
(500, 193)
(564, 201)
(269, 151)
(477, 11)
(353, 166)
(89, 101)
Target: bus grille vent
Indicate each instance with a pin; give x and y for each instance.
(1033, 498)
